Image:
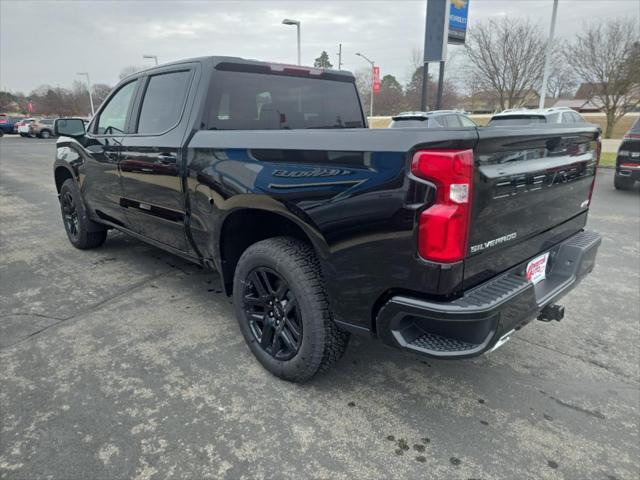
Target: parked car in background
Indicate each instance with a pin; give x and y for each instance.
(7, 123)
(628, 159)
(432, 119)
(42, 128)
(524, 116)
(23, 126)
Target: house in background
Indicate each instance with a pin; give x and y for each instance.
(586, 100)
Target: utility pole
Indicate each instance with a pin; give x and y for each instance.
(425, 80)
(340, 56)
(547, 59)
(440, 86)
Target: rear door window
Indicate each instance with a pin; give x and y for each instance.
(517, 120)
(163, 102)
(577, 117)
(258, 101)
(466, 121)
(452, 121)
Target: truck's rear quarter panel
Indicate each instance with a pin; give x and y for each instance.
(348, 189)
(351, 192)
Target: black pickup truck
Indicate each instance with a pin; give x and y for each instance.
(439, 241)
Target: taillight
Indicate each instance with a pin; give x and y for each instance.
(630, 136)
(443, 229)
(595, 169)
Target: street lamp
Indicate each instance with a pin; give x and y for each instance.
(86, 74)
(547, 58)
(288, 21)
(153, 57)
(372, 78)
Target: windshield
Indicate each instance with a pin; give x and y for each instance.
(256, 101)
(516, 120)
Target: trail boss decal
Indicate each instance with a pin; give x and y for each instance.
(493, 243)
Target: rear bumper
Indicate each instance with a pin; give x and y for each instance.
(628, 170)
(484, 316)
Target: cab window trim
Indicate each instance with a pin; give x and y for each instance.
(93, 125)
(139, 101)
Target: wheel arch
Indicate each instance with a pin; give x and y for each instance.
(61, 174)
(245, 226)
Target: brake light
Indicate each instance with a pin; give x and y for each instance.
(3, 120)
(294, 69)
(443, 230)
(631, 135)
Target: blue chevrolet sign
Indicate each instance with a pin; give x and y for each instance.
(458, 13)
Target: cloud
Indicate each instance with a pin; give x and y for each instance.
(47, 42)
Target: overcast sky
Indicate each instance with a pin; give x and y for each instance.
(47, 42)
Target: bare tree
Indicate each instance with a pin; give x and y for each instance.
(363, 84)
(607, 56)
(100, 91)
(562, 82)
(507, 57)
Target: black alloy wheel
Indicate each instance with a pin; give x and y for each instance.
(273, 313)
(70, 214)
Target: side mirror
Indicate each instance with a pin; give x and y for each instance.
(70, 127)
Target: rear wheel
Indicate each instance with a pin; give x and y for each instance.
(83, 233)
(623, 183)
(45, 134)
(283, 311)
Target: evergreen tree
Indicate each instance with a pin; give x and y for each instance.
(322, 61)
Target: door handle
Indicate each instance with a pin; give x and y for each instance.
(167, 158)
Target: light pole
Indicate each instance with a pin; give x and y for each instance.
(547, 59)
(153, 57)
(288, 21)
(373, 64)
(86, 74)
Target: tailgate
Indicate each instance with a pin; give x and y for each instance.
(531, 190)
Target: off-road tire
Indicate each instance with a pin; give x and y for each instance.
(323, 343)
(83, 233)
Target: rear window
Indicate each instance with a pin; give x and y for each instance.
(517, 120)
(636, 127)
(414, 123)
(257, 101)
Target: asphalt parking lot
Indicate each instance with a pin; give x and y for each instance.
(127, 362)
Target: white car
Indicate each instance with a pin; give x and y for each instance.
(524, 116)
(23, 128)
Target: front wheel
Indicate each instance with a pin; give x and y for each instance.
(283, 311)
(83, 233)
(623, 183)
